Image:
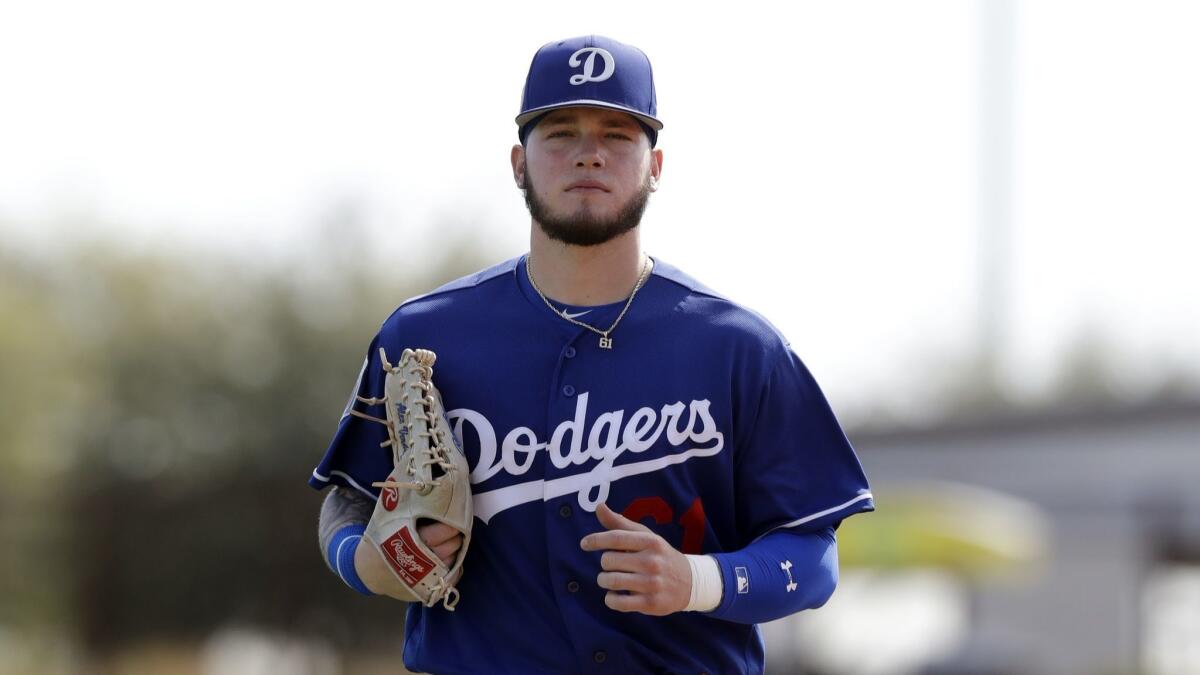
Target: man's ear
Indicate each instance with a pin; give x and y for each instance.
(517, 157)
(656, 160)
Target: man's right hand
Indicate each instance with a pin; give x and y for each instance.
(373, 570)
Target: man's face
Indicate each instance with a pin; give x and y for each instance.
(587, 174)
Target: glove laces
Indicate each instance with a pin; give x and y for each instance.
(420, 456)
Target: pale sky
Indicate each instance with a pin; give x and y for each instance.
(821, 159)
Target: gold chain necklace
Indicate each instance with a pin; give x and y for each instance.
(605, 341)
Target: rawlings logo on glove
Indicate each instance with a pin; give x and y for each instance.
(430, 481)
(406, 559)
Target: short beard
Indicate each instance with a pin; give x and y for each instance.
(583, 228)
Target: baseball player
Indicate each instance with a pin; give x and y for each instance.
(654, 471)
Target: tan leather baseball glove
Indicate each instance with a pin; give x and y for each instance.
(430, 481)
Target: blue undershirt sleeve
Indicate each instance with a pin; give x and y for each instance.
(340, 556)
(780, 574)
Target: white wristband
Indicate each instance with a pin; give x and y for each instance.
(707, 586)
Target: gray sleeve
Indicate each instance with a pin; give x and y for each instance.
(341, 508)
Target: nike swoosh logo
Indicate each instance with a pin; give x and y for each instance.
(575, 315)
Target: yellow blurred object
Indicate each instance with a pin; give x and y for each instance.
(967, 529)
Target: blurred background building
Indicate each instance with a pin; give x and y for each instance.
(975, 221)
(1058, 542)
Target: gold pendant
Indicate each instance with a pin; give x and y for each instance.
(605, 342)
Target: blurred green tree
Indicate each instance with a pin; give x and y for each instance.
(160, 414)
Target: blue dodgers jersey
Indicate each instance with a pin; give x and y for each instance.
(700, 422)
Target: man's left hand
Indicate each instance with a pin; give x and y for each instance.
(641, 571)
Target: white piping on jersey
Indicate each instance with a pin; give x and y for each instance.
(818, 514)
(348, 479)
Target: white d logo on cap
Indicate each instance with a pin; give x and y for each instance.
(589, 66)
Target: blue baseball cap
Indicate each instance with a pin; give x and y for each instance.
(592, 71)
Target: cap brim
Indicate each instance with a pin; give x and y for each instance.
(587, 103)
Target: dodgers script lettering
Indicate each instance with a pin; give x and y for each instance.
(689, 430)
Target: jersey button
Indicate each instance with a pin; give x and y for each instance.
(565, 510)
(599, 656)
(568, 390)
(569, 352)
(573, 586)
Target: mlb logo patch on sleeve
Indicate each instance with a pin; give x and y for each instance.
(743, 579)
